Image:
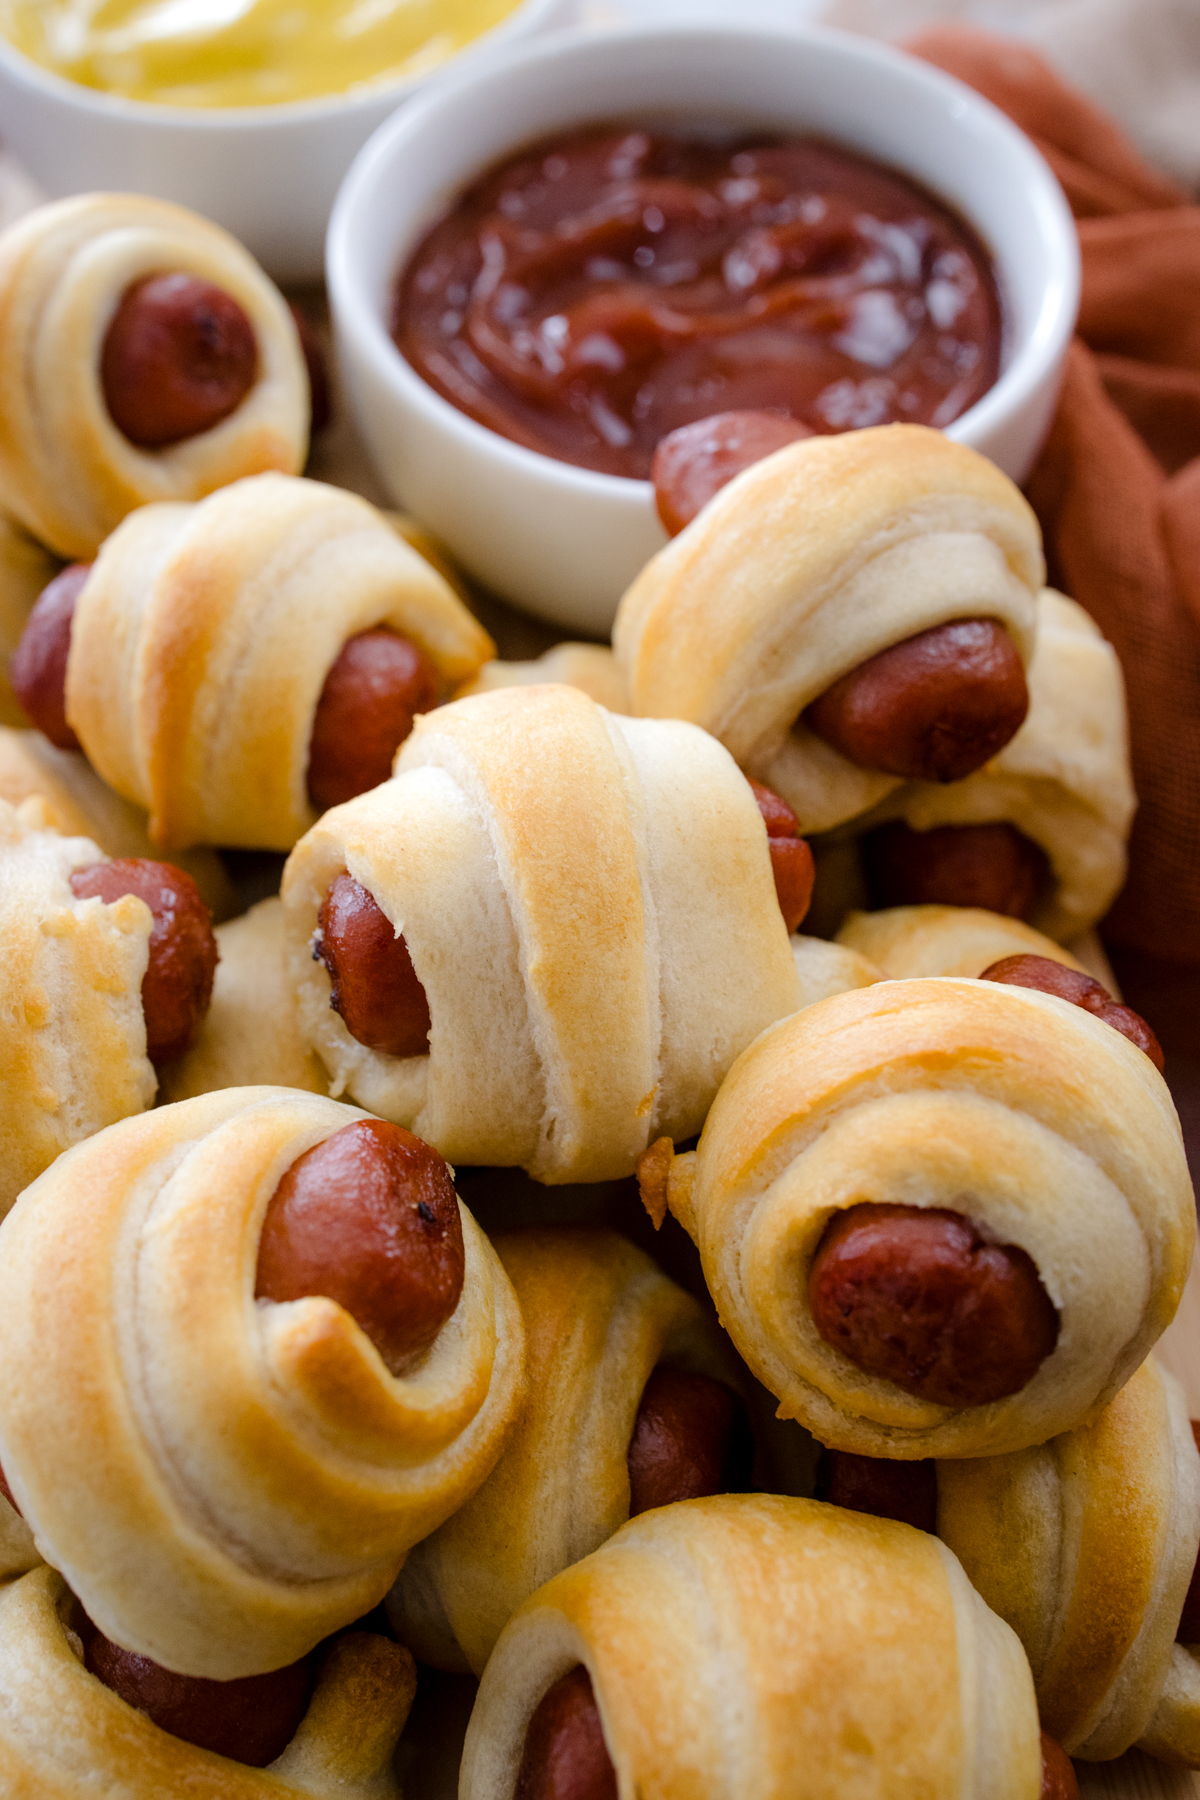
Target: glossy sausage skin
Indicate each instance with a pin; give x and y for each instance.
(917, 1297)
(1189, 1618)
(374, 985)
(935, 707)
(791, 858)
(1049, 977)
(693, 463)
(994, 866)
(368, 1218)
(1058, 1772)
(565, 1756)
(251, 1720)
(38, 669)
(372, 694)
(906, 1491)
(691, 1437)
(177, 986)
(179, 356)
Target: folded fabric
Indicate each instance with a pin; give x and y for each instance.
(1117, 489)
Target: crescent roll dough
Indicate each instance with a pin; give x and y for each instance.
(25, 569)
(79, 804)
(67, 474)
(753, 1646)
(589, 904)
(250, 1036)
(203, 637)
(599, 1316)
(590, 667)
(808, 564)
(64, 1735)
(1086, 1546)
(910, 941)
(1040, 1123)
(72, 1032)
(1064, 780)
(223, 1482)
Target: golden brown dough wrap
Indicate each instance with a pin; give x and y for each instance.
(805, 566)
(1086, 1545)
(911, 941)
(1038, 1122)
(67, 474)
(599, 1316)
(65, 1736)
(251, 1035)
(589, 904)
(591, 667)
(203, 637)
(79, 804)
(736, 1642)
(223, 1482)
(72, 1032)
(1064, 781)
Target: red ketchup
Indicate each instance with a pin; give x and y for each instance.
(603, 288)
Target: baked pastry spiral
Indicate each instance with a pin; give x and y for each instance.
(1037, 1140)
(801, 570)
(25, 568)
(599, 1319)
(203, 638)
(728, 1643)
(72, 1030)
(1086, 1546)
(251, 1036)
(68, 472)
(560, 877)
(77, 803)
(1061, 789)
(223, 1482)
(63, 1733)
(911, 941)
(590, 667)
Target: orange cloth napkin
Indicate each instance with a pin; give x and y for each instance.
(1117, 490)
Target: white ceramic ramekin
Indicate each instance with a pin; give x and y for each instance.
(564, 542)
(269, 174)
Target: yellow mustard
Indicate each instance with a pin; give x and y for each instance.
(242, 52)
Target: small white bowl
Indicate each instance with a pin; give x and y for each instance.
(269, 174)
(564, 542)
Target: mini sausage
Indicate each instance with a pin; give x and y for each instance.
(179, 356)
(916, 1296)
(994, 866)
(1058, 1772)
(374, 985)
(906, 1491)
(1189, 1618)
(372, 694)
(251, 1720)
(1049, 977)
(691, 1437)
(693, 463)
(177, 986)
(791, 858)
(935, 707)
(38, 669)
(565, 1756)
(368, 1218)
